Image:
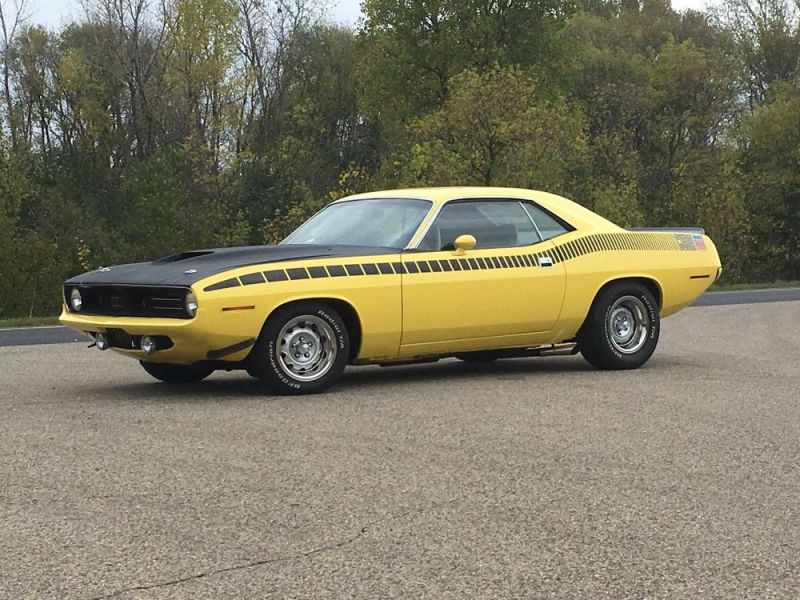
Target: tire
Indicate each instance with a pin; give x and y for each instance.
(622, 328)
(175, 374)
(321, 344)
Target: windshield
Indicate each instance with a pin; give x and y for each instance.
(389, 223)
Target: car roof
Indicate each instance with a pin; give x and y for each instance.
(572, 212)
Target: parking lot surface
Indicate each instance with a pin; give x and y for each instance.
(528, 478)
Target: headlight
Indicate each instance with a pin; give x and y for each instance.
(191, 303)
(75, 300)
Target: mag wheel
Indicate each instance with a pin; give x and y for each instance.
(177, 373)
(302, 349)
(622, 328)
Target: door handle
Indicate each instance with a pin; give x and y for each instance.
(545, 261)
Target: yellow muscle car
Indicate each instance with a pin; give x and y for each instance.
(396, 277)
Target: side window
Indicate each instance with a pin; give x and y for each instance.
(494, 223)
(547, 226)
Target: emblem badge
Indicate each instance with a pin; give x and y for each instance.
(190, 271)
(104, 269)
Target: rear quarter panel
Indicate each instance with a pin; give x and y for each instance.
(681, 266)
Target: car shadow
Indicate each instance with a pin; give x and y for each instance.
(455, 370)
(238, 385)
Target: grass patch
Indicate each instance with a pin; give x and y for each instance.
(28, 322)
(732, 287)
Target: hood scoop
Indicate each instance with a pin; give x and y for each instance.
(173, 258)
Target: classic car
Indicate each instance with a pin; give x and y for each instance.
(401, 276)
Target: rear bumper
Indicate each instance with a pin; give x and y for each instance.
(192, 340)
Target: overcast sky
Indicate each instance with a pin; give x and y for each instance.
(55, 12)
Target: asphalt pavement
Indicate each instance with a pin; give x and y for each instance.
(528, 478)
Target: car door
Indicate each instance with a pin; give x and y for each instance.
(505, 291)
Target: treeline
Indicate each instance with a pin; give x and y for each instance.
(151, 126)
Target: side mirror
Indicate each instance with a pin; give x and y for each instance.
(463, 243)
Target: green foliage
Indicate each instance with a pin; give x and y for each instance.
(771, 161)
(159, 127)
(495, 128)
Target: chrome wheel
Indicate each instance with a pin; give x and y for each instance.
(306, 348)
(628, 324)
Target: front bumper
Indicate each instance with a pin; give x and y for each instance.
(189, 340)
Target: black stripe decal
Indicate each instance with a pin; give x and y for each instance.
(221, 285)
(591, 244)
(354, 269)
(216, 354)
(277, 275)
(252, 278)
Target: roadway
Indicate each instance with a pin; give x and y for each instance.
(529, 478)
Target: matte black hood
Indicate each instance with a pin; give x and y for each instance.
(186, 268)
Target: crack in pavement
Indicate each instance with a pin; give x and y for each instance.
(268, 561)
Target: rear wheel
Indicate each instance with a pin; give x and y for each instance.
(622, 328)
(177, 373)
(302, 349)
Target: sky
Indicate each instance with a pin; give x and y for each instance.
(53, 13)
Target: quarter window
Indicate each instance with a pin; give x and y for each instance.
(547, 226)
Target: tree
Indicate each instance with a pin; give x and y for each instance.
(10, 22)
(770, 158)
(413, 49)
(496, 129)
(767, 36)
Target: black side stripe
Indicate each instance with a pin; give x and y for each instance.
(591, 244)
(276, 275)
(221, 285)
(216, 354)
(353, 269)
(251, 278)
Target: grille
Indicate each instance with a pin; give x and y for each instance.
(132, 301)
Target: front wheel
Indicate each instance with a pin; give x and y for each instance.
(622, 328)
(177, 373)
(302, 349)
